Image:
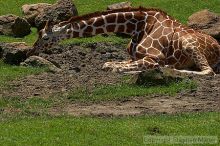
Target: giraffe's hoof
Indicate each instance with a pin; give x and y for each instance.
(208, 72)
(115, 70)
(111, 68)
(108, 66)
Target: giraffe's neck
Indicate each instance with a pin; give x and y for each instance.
(130, 23)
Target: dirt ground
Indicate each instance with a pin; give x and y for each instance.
(81, 66)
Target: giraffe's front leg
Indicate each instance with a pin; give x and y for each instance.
(111, 65)
(135, 66)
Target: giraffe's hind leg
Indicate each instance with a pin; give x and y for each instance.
(167, 71)
(192, 48)
(200, 62)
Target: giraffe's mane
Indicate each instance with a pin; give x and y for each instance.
(99, 13)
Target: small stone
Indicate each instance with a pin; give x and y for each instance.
(37, 61)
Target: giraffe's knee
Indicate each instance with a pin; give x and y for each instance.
(208, 72)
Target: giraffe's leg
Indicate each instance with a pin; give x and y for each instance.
(187, 72)
(192, 49)
(205, 70)
(167, 71)
(199, 59)
(130, 49)
(109, 65)
(136, 66)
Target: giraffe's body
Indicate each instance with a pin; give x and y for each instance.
(158, 40)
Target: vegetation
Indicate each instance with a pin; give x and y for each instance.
(105, 131)
(10, 72)
(125, 90)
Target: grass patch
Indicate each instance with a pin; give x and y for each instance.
(105, 131)
(29, 39)
(26, 107)
(11, 72)
(125, 90)
(17, 107)
(25, 104)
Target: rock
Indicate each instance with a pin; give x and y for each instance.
(14, 53)
(33, 10)
(152, 78)
(119, 5)
(14, 26)
(206, 21)
(37, 61)
(61, 11)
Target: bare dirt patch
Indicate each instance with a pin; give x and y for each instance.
(81, 66)
(205, 98)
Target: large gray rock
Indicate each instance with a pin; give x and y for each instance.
(33, 10)
(14, 26)
(36, 61)
(207, 22)
(61, 11)
(14, 53)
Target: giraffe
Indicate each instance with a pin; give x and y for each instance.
(158, 41)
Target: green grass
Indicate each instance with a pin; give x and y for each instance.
(29, 39)
(180, 9)
(10, 72)
(27, 107)
(105, 131)
(31, 104)
(125, 90)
